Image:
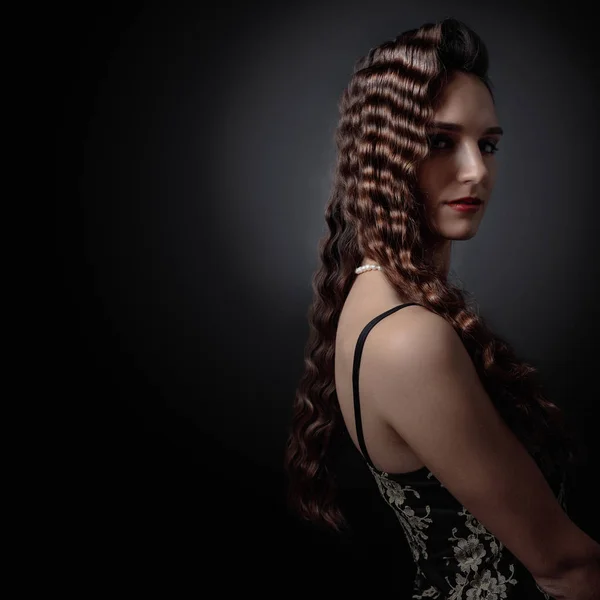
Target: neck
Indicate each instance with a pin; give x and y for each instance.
(437, 254)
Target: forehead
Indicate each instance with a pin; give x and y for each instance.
(466, 99)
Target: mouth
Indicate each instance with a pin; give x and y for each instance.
(467, 201)
(465, 206)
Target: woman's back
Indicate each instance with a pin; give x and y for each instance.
(455, 554)
(364, 302)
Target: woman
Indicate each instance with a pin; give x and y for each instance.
(455, 430)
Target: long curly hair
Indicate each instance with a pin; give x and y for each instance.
(375, 209)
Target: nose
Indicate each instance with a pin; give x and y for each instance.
(471, 166)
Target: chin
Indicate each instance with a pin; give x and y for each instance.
(466, 235)
(465, 232)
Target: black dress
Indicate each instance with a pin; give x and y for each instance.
(456, 557)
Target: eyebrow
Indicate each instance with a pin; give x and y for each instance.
(460, 128)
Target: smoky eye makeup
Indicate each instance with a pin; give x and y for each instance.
(441, 141)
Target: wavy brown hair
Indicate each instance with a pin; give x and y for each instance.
(375, 210)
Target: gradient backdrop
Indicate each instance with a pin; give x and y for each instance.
(194, 156)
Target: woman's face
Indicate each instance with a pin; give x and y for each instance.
(461, 161)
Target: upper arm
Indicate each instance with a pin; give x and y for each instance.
(426, 387)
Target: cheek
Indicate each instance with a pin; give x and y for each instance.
(492, 170)
(431, 178)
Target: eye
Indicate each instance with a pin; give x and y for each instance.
(493, 146)
(443, 142)
(434, 140)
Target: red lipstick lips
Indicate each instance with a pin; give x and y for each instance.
(466, 200)
(467, 204)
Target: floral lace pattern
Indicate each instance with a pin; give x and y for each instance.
(481, 574)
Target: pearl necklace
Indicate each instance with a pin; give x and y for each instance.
(366, 268)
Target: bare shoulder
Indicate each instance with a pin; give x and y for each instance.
(417, 353)
(427, 389)
(413, 329)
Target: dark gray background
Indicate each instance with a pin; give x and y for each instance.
(194, 157)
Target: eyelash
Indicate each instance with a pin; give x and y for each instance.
(434, 138)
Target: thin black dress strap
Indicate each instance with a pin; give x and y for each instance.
(355, 368)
